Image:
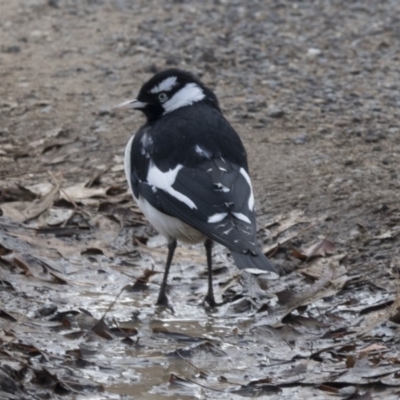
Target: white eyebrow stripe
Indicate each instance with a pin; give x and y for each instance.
(189, 94)
(166, 85)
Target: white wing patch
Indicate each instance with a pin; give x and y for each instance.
(217, 218)
(166, 85)
(165, 180)
(251, 198)
(242, 217)
(219, 187)
(189, 94)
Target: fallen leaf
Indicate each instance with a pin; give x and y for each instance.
(14, 210)
(80, 192)
(16, 193)
(321, 248)
(45, 203)
(390, 234)
(142, 281)
(294, 218)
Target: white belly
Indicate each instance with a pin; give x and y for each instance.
(170, 227)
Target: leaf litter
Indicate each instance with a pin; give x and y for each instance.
(307, 329)
(287, 325)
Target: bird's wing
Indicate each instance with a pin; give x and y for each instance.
(215, 197)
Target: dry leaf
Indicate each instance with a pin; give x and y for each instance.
(142, 281)
(14, 210)
(294, 218)
(45, 203)
(321, 248)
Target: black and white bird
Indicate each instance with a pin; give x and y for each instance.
(187, 170)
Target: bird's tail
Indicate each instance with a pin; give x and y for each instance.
(249, 260)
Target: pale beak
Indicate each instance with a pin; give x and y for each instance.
(130, 104)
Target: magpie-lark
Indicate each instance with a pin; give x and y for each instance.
(187, 170)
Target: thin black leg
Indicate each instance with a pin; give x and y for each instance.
(210, 293)
(162, 297)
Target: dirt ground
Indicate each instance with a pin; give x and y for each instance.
(313, 88)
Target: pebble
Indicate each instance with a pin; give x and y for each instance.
(276, 113)
(12, 49)
(104, 111)
(47, 310)
(313, 52)
(373, 137)
(301, 139)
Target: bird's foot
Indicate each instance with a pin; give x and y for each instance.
(162, 300)
(210, 301)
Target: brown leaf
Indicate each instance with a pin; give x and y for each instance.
(176, 380)
(91, 251)
(285, 296)
(321, 248)
(142, 281)
(262, 380)
(101, 329)
(16, 193)
(45, 203)
(329, 389)
(124, 329)
(295, 217)
(7, 316)
(299, 255)
(350, 361)
(141, 240)
(372, 348)
(19, 262)
(56, 144)
(4, 251)
(79, 192)
(44, 378)
(57, 278)
(14, 209)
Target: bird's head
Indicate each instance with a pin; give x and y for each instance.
(167, 91)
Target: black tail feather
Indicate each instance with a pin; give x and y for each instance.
(249, 260)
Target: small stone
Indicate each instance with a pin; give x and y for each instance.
(301, 139)
(373, 137)
(172, 60)
(37, 34)
(104, 111)
(313, 52)
(151, 69)
(46, 310)
(12, 49)
(276, 113)
(208, 56)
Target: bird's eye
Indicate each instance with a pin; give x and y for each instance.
(162, 97)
